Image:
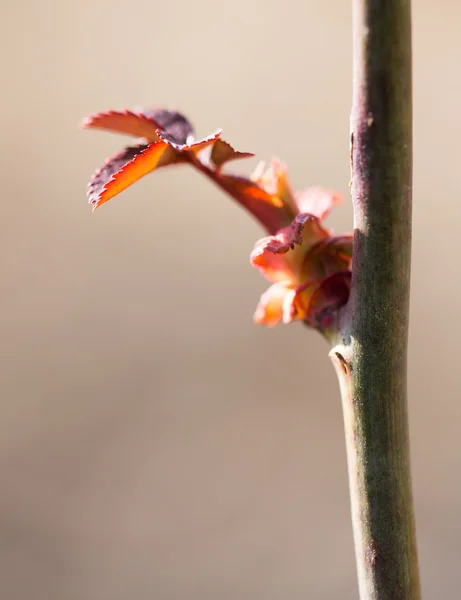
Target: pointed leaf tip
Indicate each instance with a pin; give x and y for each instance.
(317, 201)
(105, 173)
(126, 122)
(192, 146)
(143, 124)
(223, 152)
(126, 168)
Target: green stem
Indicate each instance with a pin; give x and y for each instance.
(370, 358)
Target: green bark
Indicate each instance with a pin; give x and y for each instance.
(370, 356)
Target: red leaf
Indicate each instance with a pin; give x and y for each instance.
(108, 170)
(125, 168)
(268, 209)
(223, 152)
(194, 146)
(270, 309)
(317, 201)
(143, 124)
(125, 122)
(329, 297)
(250, 189)
(282, 257)
(275, 181)
(179, 129)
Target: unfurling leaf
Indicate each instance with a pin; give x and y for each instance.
(330, 295)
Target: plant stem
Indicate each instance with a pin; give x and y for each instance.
(370, 358)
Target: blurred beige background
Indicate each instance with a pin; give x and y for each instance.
(154, 443)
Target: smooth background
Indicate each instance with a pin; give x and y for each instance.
(154, 443)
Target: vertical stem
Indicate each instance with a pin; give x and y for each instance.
(370, 358)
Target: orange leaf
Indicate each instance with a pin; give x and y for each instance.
(317, 302)
(178, 128)
(144, 124)
(270, 309)
(283, 257)
(194, 147)
(249, 189)
(223, 152)
(330, 295)
(275, 181)
(317, 201)
(126, 122)
(266, 208)
(126, 168)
